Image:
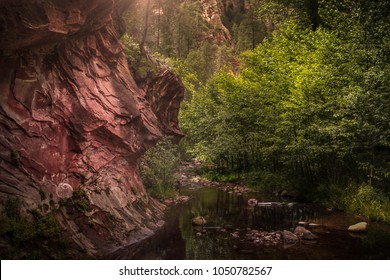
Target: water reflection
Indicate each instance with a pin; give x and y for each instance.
(229, 211)
(228, 214)
(222, 208)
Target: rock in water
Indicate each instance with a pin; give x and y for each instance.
(289, 237)
(198, 221)
(72, 116)
(359, 227)
(252, 202)
(299, 230)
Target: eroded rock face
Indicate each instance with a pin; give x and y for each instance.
(71, 117)
(212, 11)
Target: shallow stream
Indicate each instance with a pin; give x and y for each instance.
(229, 219)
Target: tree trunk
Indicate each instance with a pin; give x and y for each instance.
(146, 25)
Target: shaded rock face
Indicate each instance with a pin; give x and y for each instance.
(71, 117)
(212, 12)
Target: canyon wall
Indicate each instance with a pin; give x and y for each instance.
(73, 120)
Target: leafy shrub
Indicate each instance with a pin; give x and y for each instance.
(29, 237)
(266, 180)
(214, 175)
(79, 200)
(330, 195)
(367, 200)
(12, 208)
(159, 169)
(140, 65)
(131, 47)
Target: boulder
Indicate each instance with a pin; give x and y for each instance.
(305, 234)
(359, 227)
(299, 230)
(289, 237)
(198, 221)
(252, 202)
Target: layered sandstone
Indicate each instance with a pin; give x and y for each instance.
(72, 117)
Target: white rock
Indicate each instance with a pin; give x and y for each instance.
(359, 227)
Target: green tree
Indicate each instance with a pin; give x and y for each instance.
(310, 101)
(159, 169)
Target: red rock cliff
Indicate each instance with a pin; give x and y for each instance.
(72, 117)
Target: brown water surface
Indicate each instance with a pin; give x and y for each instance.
(229, 218)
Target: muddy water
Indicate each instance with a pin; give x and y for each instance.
(229, 218)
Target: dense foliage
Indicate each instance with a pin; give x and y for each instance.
(35, 237)
(159, 169)
(309, 104)
(308, 108)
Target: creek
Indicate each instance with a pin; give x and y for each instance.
(230, 218)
